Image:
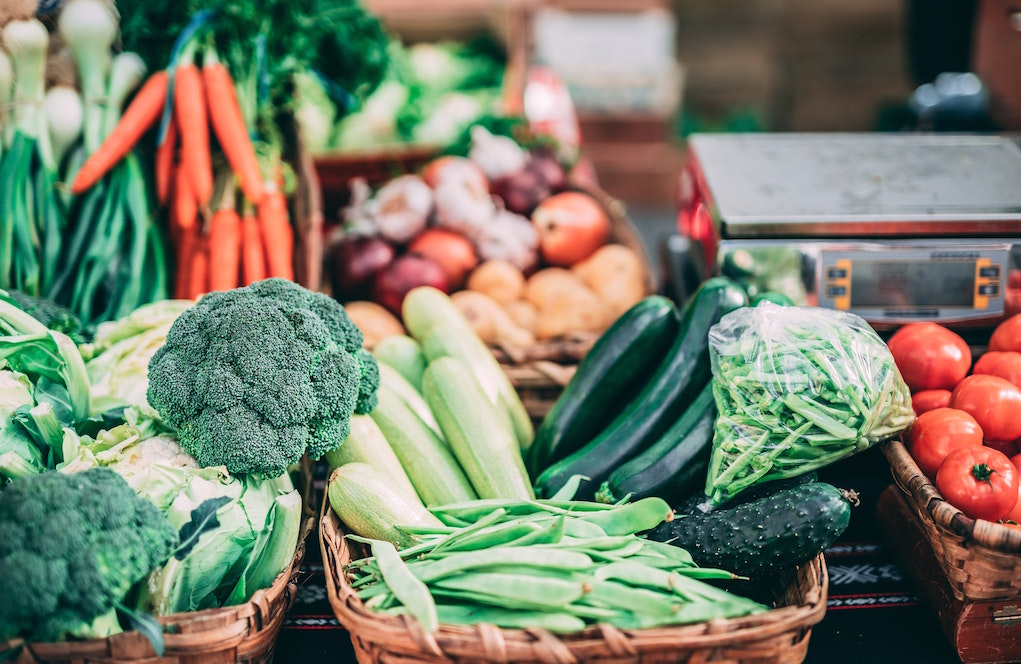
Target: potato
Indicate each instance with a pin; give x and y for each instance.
(489, 320)
(552, 283)
(616, 274)
(578, 311)
(499, 279)
(373, 320)
(523, 313)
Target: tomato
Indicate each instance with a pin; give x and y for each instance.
(994, 402)
(1003, 363)
(571, 226)
(930, 356)
(927, 400)
(938, 432)
(1007, 335)
(453, 252)
(979, 481)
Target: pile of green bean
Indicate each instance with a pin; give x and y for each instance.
(556, 564)
(797, 389)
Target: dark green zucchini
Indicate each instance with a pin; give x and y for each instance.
(776, 297)
(614, 370)
(775, 532)
(683, 372)
(676, 464)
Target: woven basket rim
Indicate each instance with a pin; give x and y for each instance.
(192, 634)
(949, 520)
(403, 634)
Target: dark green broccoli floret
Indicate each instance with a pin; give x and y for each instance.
(71, 548)
(255, 377)
(49, 313)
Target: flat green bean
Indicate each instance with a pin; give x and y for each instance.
(466, 614)
(408, 590)
(541, 592)
(639, 516)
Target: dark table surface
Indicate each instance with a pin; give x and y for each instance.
(872, 614)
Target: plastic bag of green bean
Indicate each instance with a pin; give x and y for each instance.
(797, 389)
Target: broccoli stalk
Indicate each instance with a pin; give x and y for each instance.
(72, 546)
(255, 377)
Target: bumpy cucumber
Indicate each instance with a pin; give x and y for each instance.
(775, 532)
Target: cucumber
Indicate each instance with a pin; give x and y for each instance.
(429, 310)
(474, 430)
(403, 354)
(775, 532)
(699, 503)
(367, 444)
(371, 505)
(614, 370)
(433, 470)
(675, 465)
(678, 380)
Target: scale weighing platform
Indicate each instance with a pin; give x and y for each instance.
(893, 227)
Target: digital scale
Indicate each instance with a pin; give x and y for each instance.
(893, 227)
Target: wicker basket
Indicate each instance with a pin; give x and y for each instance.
(245, 633)
(778, 636)
(981, 559)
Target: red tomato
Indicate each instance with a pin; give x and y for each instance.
(453, 252)
(979, 481)
(1003, 363)
(1015, 514)
(929, 356)
(938, 432)
(1007, 335)
(927, 400)
(994, 402)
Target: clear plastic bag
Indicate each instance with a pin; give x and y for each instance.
(797, 388)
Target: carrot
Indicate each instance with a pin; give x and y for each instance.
(186, 212)
(253, 258)
(277, 234)
(140, 114)
(229, 128)
(198, 272)
(164, 166)
(190, 109)
(224, 249)
(186, 241)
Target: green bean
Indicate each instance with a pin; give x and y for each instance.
(570, 488)
(519, 557)
(610, 594)
(408, 589)
(641, 515)
(464, 614)
(545, 592)
(583, 528)
(550, 533)
(625, 551)
(675, 553)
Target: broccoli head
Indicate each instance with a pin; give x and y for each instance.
(71, 548)
(254, 377)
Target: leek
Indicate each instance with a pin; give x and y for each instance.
(64, 117)
(126, 72)
(6, 99)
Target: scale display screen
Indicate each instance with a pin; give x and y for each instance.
(877, 283)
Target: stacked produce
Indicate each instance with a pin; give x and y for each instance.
(966, 437)
(433, 482)
(198, 411)
(99, 252)
(525, 258)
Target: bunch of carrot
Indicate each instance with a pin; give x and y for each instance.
(219, 244)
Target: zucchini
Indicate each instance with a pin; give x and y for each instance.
(371, 505)
(776, 297)
(392, 379)
(676, 383)
(486, 450)
(367, 444)
(433, 470)
(403, 354)
(675, 465)
(426, 309)
(613, 371)
(774, 532)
